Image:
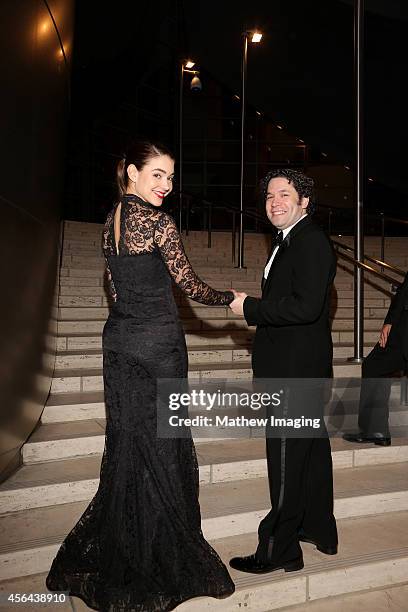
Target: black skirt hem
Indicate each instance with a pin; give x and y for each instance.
(159, 602)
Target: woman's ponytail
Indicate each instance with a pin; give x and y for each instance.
(121, 177)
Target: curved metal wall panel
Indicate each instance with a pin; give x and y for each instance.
(36, 39)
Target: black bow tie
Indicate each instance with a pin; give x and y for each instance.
(278, 238)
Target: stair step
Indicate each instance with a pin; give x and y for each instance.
(97, 296)
(341, 284)
(69, 439)
(200, 355)
(92, 358)
(391, 598)
(96, 313)
(91, 269)
(47, 478)
(90, 379)
(72, 406)
(344, 297)
(84, 339)
(386, 597)
(231, 321)
(342, 309)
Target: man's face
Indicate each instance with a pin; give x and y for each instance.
(283, 205)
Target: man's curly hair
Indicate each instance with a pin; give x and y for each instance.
(303, 184)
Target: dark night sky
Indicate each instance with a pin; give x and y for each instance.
(301, 74)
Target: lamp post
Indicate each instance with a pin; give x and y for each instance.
(185, 66)
(255, 38)
(359, 233)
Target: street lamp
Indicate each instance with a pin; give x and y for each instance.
(255, 37)
(186, 66)
(359, 12)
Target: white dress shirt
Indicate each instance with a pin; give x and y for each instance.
(285, 232)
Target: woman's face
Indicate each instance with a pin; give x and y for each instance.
(154, 181)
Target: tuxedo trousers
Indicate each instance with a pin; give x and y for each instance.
(300, 474)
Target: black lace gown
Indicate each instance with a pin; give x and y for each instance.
(139, 546)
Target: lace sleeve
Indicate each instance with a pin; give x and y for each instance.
(168, 240)
(112, 290)
(107, 249)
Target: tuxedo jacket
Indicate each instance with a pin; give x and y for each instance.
(397, 316)
(293, 335)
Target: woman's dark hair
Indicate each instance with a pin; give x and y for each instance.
(138, 153)
(303, 184)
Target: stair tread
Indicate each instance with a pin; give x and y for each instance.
(199, 348)
(194, 367)
(99, 334)
(103, 308)
(209, 453)
(80, 397)
(71, 429)
(77, 398)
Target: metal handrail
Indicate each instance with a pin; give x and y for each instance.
(379, 262)
(364, 266)
(394, 220)
(369, 215)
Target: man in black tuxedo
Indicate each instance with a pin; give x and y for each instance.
(389, 355)
(293, 340)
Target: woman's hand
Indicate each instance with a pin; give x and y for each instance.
(385, 332)
(237, 305)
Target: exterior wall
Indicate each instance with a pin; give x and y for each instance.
(34, 108)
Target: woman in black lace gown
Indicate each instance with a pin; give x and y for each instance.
(139, 546)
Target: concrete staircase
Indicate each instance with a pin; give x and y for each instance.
(43, 500)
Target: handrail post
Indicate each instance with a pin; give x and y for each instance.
(241, 203)
(234, 229)
(180, 212)
(382, 256)
(404, 389)
(181, 143)
(209, 224)
(188, 214)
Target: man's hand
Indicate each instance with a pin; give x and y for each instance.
(385, 332)
(237, 305)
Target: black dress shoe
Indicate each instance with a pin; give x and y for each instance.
(327, 550)
(251, 565)
(361, 438)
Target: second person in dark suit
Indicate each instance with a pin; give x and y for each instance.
(389, 355)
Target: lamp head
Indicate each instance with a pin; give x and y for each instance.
(196, 84)
(256, 37)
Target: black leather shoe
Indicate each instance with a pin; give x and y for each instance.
(362, 438)
(327, 550)
(251, 565)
